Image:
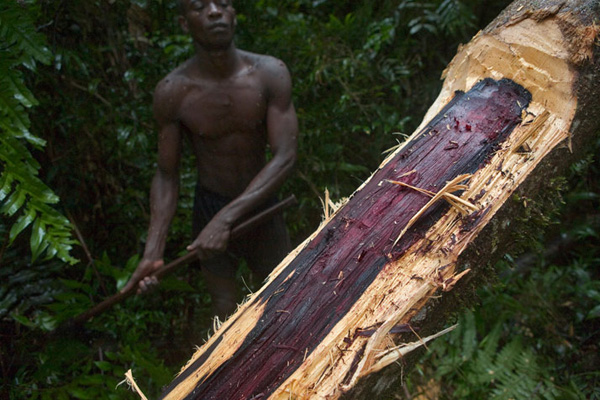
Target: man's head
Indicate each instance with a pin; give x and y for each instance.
(211, 23)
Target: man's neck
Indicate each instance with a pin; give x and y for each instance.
(218, 63)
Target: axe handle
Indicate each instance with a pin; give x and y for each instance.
(236, 232)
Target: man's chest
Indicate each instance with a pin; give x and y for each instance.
(217, 109)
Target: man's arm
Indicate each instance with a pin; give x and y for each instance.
(282, 130)
(163, 193)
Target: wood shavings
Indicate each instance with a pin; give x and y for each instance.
(330, 207)
(463, 206)
(448, 284)
(132, 384)
(392, 355)
(532, 128)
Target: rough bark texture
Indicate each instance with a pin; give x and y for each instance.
(333, 316)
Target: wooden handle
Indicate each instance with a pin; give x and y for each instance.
(236, 232)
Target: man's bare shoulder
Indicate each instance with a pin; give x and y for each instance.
(263, 63)
(169, 91)
(274, 73)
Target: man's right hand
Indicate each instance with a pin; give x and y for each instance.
(213, 239)
(144, 276)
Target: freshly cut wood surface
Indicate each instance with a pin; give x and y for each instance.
(329, 315)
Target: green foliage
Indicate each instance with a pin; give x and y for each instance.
(24, 199)
(472, 368)
(89, 364)
(447, 17)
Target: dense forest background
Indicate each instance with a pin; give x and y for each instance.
(78, 151)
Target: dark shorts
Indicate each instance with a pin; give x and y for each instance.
(262, 248)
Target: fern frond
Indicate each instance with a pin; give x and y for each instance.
(23, 196)
(469, 337)
(13, 82)
(487, 369)
(18, 33)
(454, 16)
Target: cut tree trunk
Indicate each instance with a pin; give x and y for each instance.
(518, 104)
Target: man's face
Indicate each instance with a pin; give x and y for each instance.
(210, 22)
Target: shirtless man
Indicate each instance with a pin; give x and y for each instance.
(228, 105)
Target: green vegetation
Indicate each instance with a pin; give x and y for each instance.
(24, 199)
(76, 82)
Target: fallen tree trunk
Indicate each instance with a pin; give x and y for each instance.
(518, 103)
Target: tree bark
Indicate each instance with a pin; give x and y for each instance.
(519, 103)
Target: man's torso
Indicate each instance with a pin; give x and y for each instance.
(225, 122)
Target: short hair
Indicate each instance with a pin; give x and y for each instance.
(181, 5)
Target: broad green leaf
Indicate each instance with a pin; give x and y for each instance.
(6, 180)
(14, 202)
(594, 313)
(23, 320)
(23, 222)
(37, 238)
(103, 365)
(15, 85)
(122, 279)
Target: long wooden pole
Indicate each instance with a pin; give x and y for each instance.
(236, 232)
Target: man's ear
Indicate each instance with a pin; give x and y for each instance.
(183, 23)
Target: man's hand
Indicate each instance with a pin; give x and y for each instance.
(144, 275)
(213, 239)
